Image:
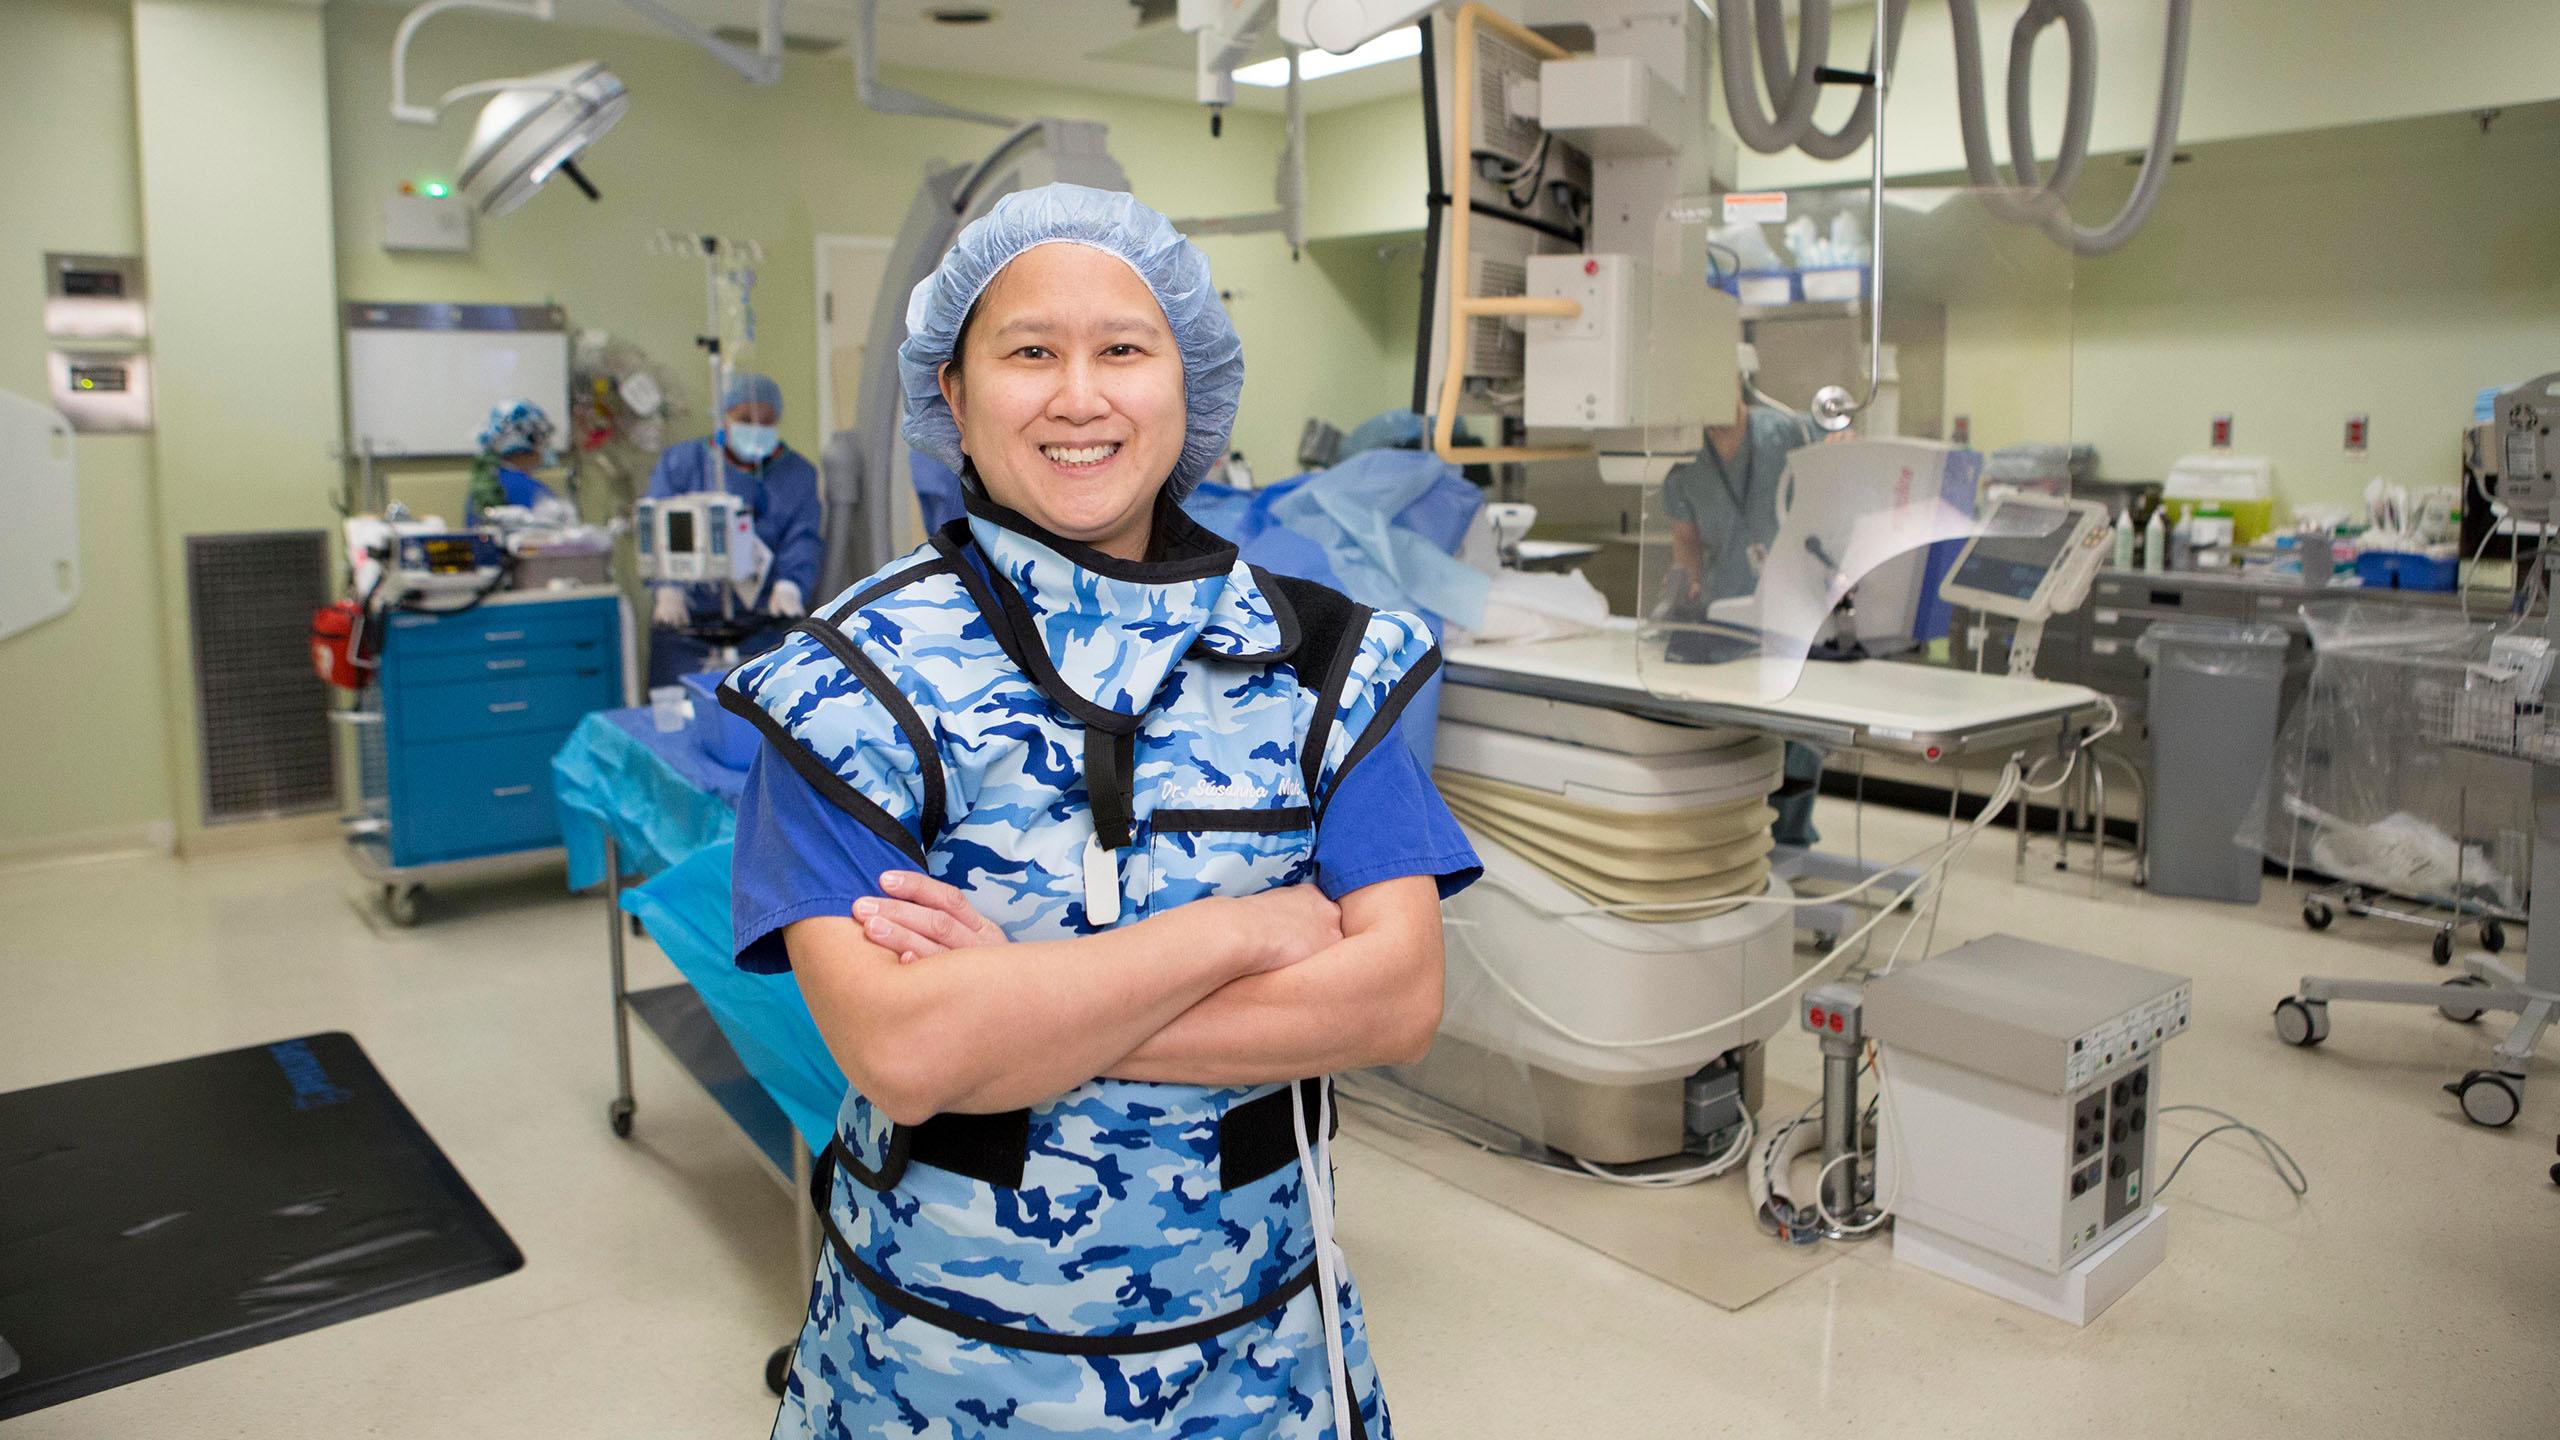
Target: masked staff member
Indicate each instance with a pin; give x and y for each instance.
(747, 458)
(1094, 851)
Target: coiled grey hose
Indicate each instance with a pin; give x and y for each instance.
(1794, 90)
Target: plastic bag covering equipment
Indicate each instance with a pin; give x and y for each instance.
(160, 1216)
(2363, 793)
(39, 515)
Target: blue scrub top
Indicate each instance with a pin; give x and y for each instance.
(799, 856)
(520, 488)
(1734, 503)
(783, 492)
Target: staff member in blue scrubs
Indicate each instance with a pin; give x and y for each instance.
(511, 444)
(747, 458)
(1723, 508)
(1093, 850)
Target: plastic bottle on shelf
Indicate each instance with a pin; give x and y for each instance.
(2123, 557)
(2155, 541)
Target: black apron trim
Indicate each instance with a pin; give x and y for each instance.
(991, 1148)
(970, 1327)
(1179, 546)
(1254, 1138)
(1355, 626)
(1110, 764)
(1383, 723)
(901, 710)
(851, 801)
(887, 584)
(1232, 822)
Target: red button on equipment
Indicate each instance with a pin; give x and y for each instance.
(1837, 1025)
(1816, 1017)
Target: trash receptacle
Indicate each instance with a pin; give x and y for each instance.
(2215, 689)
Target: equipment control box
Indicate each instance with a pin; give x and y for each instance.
(2024, 1079)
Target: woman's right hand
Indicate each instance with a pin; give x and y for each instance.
(1285, 925)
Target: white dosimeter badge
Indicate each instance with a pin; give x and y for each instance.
(1101, 884)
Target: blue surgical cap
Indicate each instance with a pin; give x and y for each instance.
(1116, 224)
(515, 426)
(746, 387)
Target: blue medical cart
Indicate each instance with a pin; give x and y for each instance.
(473, 704)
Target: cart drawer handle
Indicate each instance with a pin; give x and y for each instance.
(495, 635)
(507, 664)
(509, 707)
(504, 792)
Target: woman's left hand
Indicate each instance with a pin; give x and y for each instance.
(922, 916)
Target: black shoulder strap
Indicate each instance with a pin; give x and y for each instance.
(1324, 623)
(1330, 625)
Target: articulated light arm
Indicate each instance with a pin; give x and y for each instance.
(760, 66)
(401, 109)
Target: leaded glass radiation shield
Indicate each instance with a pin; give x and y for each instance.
(1768, 542)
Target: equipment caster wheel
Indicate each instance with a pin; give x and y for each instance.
(2488, 1098)
(2317, 915)
(2493, 936)
(618, 1115)
(400, 904)
(2302, 1022)
(777, 1370)
(2455, 1011)
(2442, 948)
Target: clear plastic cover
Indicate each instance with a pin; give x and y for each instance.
(1766, 539)
(2366, 790)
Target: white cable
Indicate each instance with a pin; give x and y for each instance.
(1839, 948)
(1733, 1155)
(1884, 1205)
(1315, 1170)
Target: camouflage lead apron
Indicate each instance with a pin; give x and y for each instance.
(1079, 742)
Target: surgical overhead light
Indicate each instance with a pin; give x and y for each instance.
(535, 128)
(1401, 44)
(532, 127)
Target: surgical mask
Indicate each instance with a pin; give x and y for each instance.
(751, 443)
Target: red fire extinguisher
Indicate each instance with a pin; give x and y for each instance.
(344, 648)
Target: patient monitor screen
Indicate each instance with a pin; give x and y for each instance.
(2013, 565)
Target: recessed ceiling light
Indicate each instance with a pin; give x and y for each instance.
(1400, 44)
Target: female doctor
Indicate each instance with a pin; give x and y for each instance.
(1093, 851)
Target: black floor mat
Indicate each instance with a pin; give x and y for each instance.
(156, 1217)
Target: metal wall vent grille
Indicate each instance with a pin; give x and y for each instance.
(262, 715)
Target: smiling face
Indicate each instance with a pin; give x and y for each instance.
(1068, 393)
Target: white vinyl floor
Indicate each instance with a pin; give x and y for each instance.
(2416, 1292)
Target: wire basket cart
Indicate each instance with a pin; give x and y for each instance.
(2406, 828)
(2495, 711)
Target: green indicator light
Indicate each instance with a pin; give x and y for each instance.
(436, 189)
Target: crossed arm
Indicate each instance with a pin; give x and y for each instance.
(929, 1009)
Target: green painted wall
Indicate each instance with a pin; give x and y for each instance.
(87, 759)
(2388, 270)
(231, 113)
